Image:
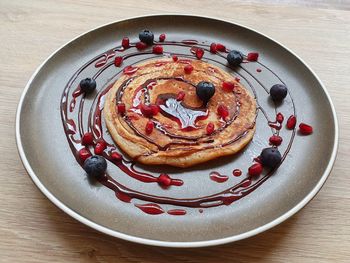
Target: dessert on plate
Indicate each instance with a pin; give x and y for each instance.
(179, 112)
(176, 103)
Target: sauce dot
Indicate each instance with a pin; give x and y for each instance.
(237, 172)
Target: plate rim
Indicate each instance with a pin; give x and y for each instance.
(161, 243)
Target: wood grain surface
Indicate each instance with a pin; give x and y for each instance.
(32, 229)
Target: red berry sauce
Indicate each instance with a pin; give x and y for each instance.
(217, 177)
(237, 172)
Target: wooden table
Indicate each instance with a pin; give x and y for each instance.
(32, 229)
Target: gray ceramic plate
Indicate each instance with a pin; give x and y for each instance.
(48, 159)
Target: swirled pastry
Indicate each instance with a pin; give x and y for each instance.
(154, 114)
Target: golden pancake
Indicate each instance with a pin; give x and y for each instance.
(164, 121)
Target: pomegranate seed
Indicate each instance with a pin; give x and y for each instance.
(220, 47)
(161, 37)
(252, 56)
(188, 69)
(199, 53)
(237, 79)
(100, 147)
(258, 70)
(223, 111)
(255, 170)
(175, 58)
(149, 127)
(291, 122)
(141, 45)
(228, 86)
(157, 49)
(125, 42)
(121, 108)
(180, 96)
(305, 129)
(279, 117)
(155, 109)
(210, 128)
(164, 180)
(88, 139)
(118, 61)
(276, 140)
(116, 156)
(147, 110)
(213, 48)
(84, 154)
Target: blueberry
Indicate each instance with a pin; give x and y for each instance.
(87, 85)
(234, 58)
(95, 166)
(205, 90)
(146, 36)
(270, 157)
(278, 92)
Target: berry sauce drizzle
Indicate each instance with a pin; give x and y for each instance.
(217, 177)
(73, 123)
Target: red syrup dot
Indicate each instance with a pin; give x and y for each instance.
(190, 41)
(200, 210)
(151, 209)
(258, 70)
(229, 200)
(246, 183)
(75, 95)
(129, 70)
(159, 64)
(104, 59)
(177, 212)
(72, 128)
(237, 172)
(177, 182)
(123, 197)
(219, 178)
(275, 125)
